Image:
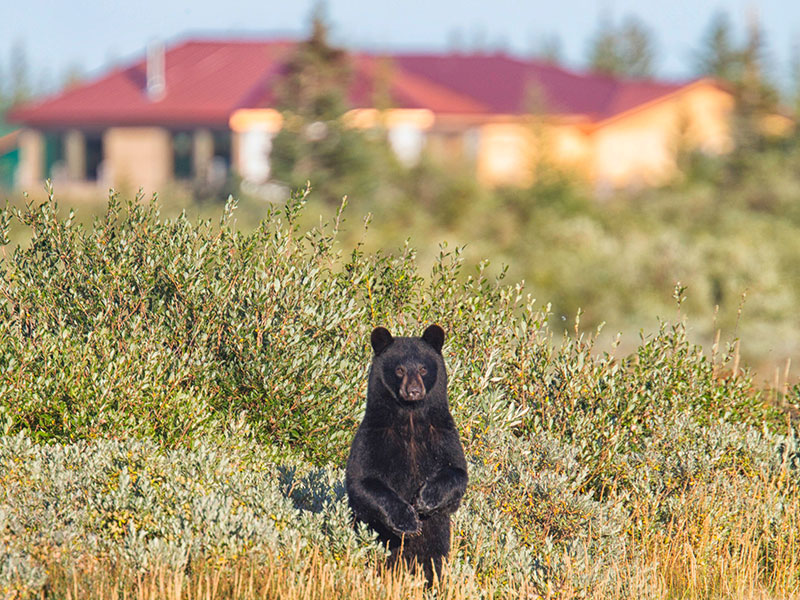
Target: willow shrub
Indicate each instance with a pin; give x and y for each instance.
(140, 347)
(170, 329)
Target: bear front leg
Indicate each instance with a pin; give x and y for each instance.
(443, 492)
(384, 505)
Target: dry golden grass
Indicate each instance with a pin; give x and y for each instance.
(712, 550)
(701, 554)
(306, 575)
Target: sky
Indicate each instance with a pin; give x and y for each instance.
(60, 35)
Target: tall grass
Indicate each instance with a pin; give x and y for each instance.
(687, 559)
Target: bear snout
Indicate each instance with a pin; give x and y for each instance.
(412, 388)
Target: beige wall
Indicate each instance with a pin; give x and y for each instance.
(75, 154)
(505, 154)
(202, 152)
(31, 164)
(638, 147)
(510, 152)
(641, 147)
(138, 157)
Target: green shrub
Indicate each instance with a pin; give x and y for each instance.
(179, 393)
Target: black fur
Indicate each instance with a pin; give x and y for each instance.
(406, 473)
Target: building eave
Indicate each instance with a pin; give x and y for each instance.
(611, 120)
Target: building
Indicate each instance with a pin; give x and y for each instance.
(204, 107)
(9, 157)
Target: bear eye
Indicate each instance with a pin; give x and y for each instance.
(423, 371)
(400, 371)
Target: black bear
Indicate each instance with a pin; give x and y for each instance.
(406, 473)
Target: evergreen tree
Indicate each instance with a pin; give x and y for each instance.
(19, 75)
(314, 145)
(624, 51)
(718, 56)
(548, 49)
(742, 66)
(756, 90)
(15, 86)
(316, 76)
(4, 100)
(794, 80)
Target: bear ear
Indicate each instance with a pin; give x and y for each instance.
(380, 339)
(434, 335)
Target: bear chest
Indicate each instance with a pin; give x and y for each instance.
(410, 453)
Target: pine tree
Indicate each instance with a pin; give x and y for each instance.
(548, 49)
(742, 66)
(314, 145)
(794, 90)
(755, 88)
(315, 77)
(15, 86)
(624, 51)
(718, 56)
(19, 75)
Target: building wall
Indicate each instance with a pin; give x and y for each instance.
(252, 132)
(641, 147)
(75, 154)
(505, 154)
(138, 157)
(30, 172)
(509, 153)
(638, 147)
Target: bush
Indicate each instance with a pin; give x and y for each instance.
(178, 397)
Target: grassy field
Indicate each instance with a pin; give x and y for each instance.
(177, 399)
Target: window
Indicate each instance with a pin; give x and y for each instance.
(182, 155)
(94, 155)
(53, 154)
(222, 147)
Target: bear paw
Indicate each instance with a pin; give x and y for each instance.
(406, 522)
(428, 500)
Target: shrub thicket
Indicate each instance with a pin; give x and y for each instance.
(616, 254)
(177, 399)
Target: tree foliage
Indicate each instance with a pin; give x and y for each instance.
(742, 65)
(719, 55)
(314, 143)
(626, 50)
(15, 81)
(549, 49)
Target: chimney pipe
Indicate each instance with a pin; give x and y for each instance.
(156, 75)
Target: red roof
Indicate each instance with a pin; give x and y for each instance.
(206, 81)
(508, 85)
(406, 89)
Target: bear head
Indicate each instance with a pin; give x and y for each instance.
(409, 368)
